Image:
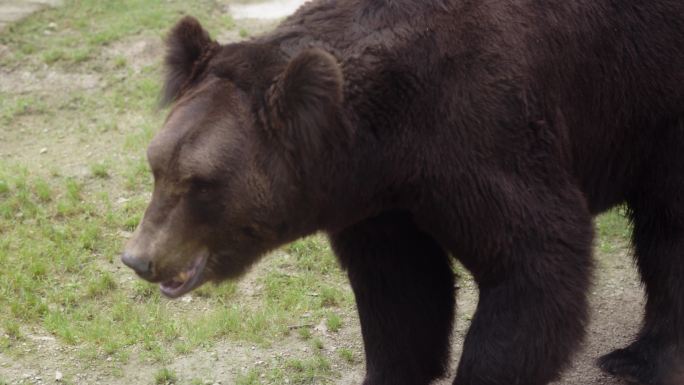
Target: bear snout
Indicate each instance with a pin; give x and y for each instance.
(141, 266)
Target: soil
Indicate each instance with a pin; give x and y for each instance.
(617, 298)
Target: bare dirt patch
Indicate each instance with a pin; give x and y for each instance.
(13, 10)
(20, 82)
(138, 52)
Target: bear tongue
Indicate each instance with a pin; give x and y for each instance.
(177, 281)
(172, 284)
(176, 286)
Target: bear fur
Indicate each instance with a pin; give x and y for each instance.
(414, 132)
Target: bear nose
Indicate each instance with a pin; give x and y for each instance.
(142, 266)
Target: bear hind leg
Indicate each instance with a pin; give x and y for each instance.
(656, 357)
(657, 212)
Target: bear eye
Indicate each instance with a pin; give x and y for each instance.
(203, 186)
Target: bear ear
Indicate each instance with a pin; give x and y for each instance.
(304, 104)
(187, 46)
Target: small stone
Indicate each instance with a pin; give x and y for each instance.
(58, 376)
(43, 150)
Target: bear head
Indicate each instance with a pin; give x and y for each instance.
(234, 160)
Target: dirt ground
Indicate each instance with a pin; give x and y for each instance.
(617, 298)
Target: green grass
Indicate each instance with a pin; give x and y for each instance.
(304, 333)
(334, 322)
(84, 27)
(318, 344)
(12, 107)
(312, 370)
(250, 378)
(100, 170)
(347, 355)
(165, 376)
(12, 329)
(612, 229)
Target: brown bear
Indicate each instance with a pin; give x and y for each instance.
(411, 132)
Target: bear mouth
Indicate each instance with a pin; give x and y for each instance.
(186, 280)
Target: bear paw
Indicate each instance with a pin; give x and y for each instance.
(644, 366)
(628, 365)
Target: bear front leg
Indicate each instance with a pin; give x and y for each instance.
(533, 275)
(657, 212)
(404, 289)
